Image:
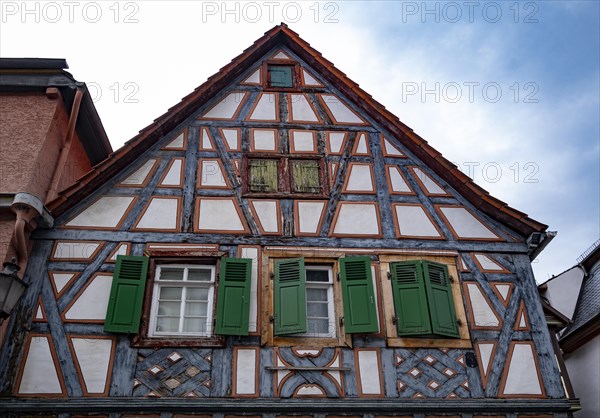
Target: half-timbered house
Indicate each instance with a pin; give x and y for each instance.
(279, 244)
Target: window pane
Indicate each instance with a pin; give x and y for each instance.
(169, 308)
(316, 295)
(305, 176)
(200, 275)
(171, 273)
(317, 275)
(197, 293)
(195, 309)
(263, 175)
(170, 293)
(318, 326)
(317, 310)
(183, 307)
(167, 324)
(197, 325)
(280, 76)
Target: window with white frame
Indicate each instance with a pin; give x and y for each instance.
(182, 300)
(308, 303)
(320, 311)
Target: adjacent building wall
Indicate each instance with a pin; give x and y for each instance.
(34, 128)
(563, 291)
(77, 164)
(584, 370)
(7, 224)
(26, 121)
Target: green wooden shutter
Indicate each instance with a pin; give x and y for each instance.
(439, 296)
(410, 300)
(126, 294)
(360, 312)
(233, 299)
(290, 296)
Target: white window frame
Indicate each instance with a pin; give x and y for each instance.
(332, 333)
(184, 284)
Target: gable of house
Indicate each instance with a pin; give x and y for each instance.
(280, 235)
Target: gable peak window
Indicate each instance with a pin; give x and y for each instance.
(281, 74)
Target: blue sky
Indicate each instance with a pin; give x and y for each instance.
(509, 91)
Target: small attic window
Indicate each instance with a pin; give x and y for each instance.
(280, 76)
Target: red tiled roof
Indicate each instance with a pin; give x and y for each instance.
(281, 34)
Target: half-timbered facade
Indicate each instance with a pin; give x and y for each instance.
(278, 244)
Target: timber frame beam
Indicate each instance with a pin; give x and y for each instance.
(255, 406)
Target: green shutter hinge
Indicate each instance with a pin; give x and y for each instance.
(341, 321)
(272, 275)
(394, 320)
(338, 277)
(389, 275)
(271, 319)
(451, 279)
(459, 322)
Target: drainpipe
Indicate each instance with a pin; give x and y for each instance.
(30, 212)
(24, 224)
(64, 152)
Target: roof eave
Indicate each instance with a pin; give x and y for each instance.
(573, 340)
(24, 75)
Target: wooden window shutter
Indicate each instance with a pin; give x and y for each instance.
(233, 299)
(263, 175)
(305, 176)
(441, 302)
(290, 296)
(360, 312)
(410, 298)
(126, 294)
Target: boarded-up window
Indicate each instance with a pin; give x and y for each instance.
(263, 175)
(302, 175)
(305, 176)
(281, 76)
